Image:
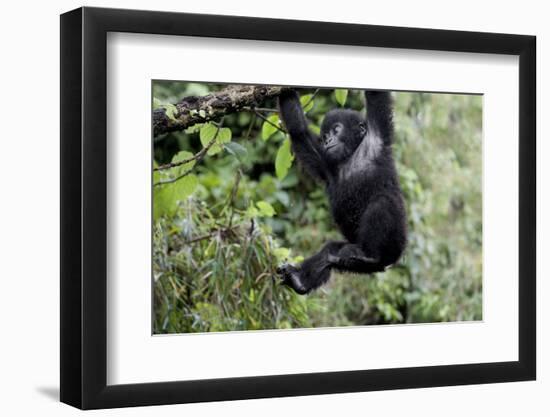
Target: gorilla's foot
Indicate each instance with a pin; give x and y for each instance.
(291, 276)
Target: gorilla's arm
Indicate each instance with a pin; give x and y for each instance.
(379, 131)
(379, 114)
(305, 145)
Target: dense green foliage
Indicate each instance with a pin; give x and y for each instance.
(224, 220)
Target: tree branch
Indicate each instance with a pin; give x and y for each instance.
(197, 158)
(200, 109)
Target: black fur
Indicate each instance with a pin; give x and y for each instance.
(353, 158)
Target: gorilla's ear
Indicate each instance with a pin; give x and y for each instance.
(363, 128)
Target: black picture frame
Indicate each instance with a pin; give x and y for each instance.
(84, 207)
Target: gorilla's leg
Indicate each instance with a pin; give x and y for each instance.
(313, 272)
(351, 258)
(381, 237)
(379, 243)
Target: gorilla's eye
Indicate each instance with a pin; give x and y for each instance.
(337, 128)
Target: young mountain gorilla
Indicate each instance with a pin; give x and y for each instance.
(353, 157)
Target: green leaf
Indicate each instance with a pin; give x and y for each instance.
(290, 180)
(214, 149)
(181, 169)
(185, 186)
(156, 177)
(298, 259)
(156, 103)
(268, 127)
(282, 254)
(166, 197)
(307, 102)
(315, 129)
(252, 211)
(283, 160)
(156, 174)
(171, 111)
(161, 202)
(282, 197)
(237, 150)
(341, 96)
(266, 209)
(194, 128)
(224, 135)
(208, 132)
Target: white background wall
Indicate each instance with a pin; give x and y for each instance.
(29, 225)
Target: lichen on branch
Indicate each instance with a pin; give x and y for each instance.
(200, 109)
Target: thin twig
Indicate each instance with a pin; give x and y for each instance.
(172, 180)
(251, 230)
(252, 123)
(203, 237)
(312, 97)
(197, 158)
(264, 109)
(265, 119)
(211, 234)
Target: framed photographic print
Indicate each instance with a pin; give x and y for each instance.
(255, 208)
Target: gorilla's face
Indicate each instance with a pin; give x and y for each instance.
(341, 132)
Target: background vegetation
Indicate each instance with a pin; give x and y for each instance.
(224, 220)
